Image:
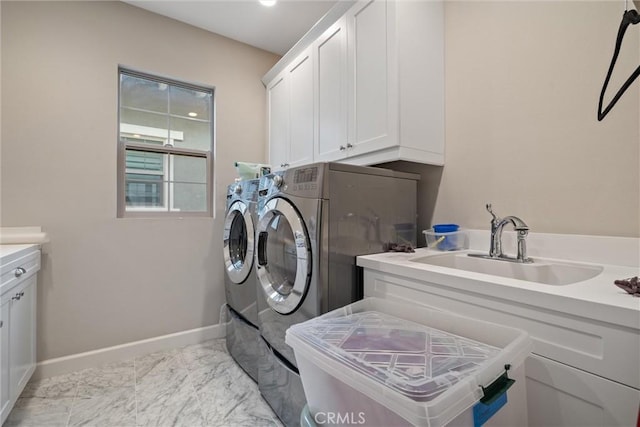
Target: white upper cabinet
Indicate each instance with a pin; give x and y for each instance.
(396, 86)
(372, 110)
(290, 100)
(331, 100)
(278, 109)
(419, 27)
(378, 86)
(301, 139)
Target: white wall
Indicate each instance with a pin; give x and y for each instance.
(107, 281)
(523, 80)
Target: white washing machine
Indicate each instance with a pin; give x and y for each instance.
(312, 223)
(240, 278)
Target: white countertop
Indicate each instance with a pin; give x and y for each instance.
(22, 235)
(597, 298)
(10, 252)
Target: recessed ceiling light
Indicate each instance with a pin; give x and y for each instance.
(192, 114)
(267, 3)
(136, 136)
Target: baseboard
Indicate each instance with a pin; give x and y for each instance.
(95, 358)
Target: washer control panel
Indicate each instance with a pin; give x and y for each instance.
(305, 179)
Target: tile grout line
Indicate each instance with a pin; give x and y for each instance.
(73, 402)
(193, 387)
(135, 388)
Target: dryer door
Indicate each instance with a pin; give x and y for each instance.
(238, 242)
(283, 255)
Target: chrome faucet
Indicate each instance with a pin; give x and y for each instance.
(497, 226)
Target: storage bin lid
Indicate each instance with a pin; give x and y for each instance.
(426, 365)
(415, 360)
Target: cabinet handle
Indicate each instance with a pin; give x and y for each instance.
(349, 145)
(342, 148)
(1, 323)
(20, 271)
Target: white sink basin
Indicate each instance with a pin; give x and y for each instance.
(541, 271)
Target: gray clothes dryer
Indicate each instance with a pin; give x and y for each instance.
(312, 223)
(240, 276)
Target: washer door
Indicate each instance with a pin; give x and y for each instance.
(283, 256)
(238, 242)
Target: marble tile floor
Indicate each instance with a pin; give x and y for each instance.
(197, 385)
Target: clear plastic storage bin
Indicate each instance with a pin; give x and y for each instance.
(377, 362)
(451, 241)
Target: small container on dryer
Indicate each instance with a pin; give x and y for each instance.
(252, 170)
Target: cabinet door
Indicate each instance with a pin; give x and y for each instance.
(301, 141)
(559, 395)
(22, 336)
(4, 360)
(372, 98)
(331, 84)
(278, 104)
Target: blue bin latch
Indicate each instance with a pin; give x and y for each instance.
(495, 397)
(500, 386)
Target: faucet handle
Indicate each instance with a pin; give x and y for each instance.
(495, 218)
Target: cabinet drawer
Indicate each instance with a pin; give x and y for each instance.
(15, 271)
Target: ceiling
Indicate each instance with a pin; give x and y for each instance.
(275, 29)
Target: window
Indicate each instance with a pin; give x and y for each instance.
(165, 145)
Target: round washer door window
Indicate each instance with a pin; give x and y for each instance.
(283, 255)
(238, 242)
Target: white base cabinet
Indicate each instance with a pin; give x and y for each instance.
(559, 395)
(575, 376)
(5, 396)
(18, 324)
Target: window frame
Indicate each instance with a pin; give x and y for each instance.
(123, 145)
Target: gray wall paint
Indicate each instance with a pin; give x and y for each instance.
(108, 281)
(522, 87)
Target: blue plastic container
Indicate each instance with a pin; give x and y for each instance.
(445, 228)
(450, 242)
